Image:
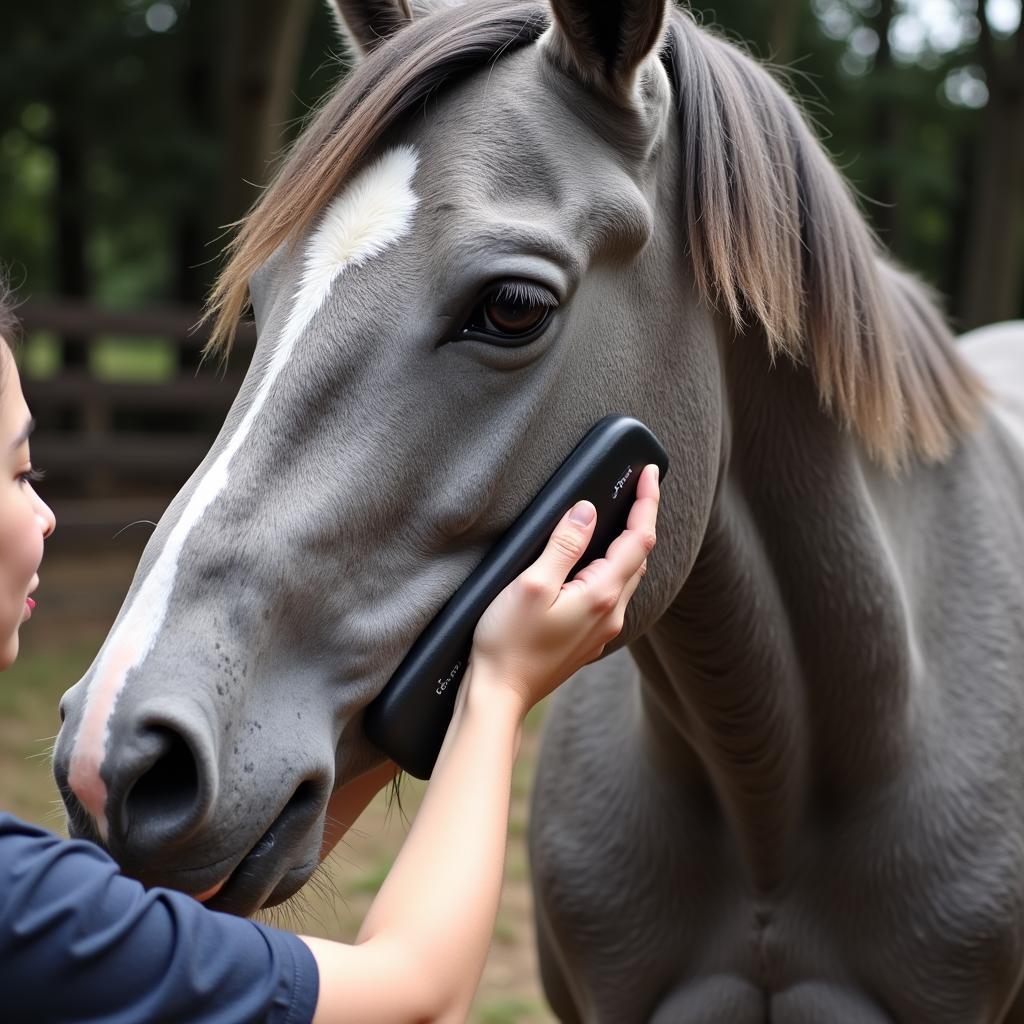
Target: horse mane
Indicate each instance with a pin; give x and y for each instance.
(777, 241)
(774, 233)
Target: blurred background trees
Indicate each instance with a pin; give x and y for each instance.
(132, 130)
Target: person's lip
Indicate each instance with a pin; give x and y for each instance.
(29, 607)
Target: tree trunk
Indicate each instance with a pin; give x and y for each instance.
(195, 225)
(887, 214)
(960, 218)
(265, 40)
(783, 30)
(72, 276)
(993, 266)
(90, 418)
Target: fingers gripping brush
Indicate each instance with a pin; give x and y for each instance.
(410, 717)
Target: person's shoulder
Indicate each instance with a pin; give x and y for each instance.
(22, 843)
(11, 826)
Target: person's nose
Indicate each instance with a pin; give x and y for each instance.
(47, 520)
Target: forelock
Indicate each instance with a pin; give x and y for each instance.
(392, 81)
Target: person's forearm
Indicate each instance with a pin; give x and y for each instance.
(441, 896)
(422, 947)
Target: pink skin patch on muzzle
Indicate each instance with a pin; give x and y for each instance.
(93, 733)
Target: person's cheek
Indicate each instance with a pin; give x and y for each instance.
(25, 562)
(11, 556)
(33, 543)
(35, 553)
(12, 612)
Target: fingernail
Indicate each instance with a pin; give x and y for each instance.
(657, 471)
(582, 513)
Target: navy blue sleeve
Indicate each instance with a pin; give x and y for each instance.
(80, 942)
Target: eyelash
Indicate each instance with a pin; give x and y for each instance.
(32, 476)
(525, 292)
(514, 292)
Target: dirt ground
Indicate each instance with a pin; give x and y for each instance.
(78, 599)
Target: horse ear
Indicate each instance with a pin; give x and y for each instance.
(605, 41)
(365, 24)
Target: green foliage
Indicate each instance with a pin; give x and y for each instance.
(509, 1011)
(132, 359)
(39, 357)
(94, 126)
(373, 878)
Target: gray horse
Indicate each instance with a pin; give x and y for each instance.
(795, 790)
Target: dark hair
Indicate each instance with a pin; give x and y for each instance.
(8, 321)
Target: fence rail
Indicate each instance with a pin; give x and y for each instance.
(117, 450)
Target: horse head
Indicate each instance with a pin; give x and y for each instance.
(509, 221)
(471, 256)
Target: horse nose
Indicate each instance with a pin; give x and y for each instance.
(161, 786)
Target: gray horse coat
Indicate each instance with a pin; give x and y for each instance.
(795, 792)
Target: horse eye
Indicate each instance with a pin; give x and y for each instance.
(513, 312)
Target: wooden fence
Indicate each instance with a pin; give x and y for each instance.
(115, 449)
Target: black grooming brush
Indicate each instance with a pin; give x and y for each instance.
(408, 720)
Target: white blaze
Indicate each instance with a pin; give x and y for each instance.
(374, 210)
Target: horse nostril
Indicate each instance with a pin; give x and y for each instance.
(307, 795)
(159, 796)
(169, 788)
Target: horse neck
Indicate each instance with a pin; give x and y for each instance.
(784, 663)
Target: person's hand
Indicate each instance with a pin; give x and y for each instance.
(540, 629)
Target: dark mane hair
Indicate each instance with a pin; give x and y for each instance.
(774, 234)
